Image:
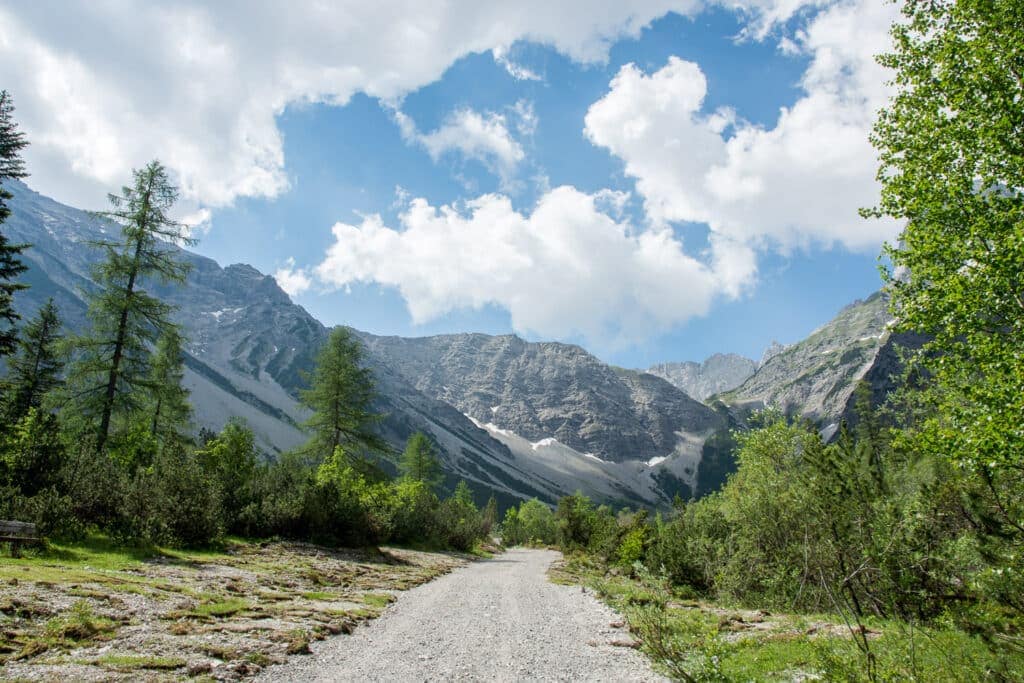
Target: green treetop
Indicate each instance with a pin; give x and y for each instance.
(35, 371)
(169, 409)
(951, 144)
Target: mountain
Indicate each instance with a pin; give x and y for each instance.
(719, 372)
(815, 378)
(249, 346)
(557, 395)
(550, 390)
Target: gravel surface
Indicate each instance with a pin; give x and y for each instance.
(495, 620)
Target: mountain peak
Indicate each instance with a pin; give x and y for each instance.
(717, 373)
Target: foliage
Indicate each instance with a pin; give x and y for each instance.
(110, 373)
(460, 521)
(531, 522)
(31, 453)
(341, 395)
(230, 458)
(172, 502)
(168, 408)
(36, 370)
(12, 141)
(419, 461)
(952, 167)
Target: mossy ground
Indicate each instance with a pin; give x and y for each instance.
(96, 611)
(691, 639)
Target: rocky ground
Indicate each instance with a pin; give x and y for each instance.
(79, 613)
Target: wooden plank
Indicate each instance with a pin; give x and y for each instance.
(10, 528)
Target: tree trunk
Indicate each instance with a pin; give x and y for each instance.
(122, 329)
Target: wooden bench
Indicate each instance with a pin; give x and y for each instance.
(18, 534)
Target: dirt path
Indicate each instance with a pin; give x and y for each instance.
(496, 620)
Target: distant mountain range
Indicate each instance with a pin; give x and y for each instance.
(514, 418)
(720, 372)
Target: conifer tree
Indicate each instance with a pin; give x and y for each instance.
(419, 461)
(113, 357)
(35, 370)
(169, 409)
(341, 395)
(12, 141)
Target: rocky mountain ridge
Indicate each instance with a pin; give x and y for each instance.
(544, 390)
(815, 377)
(718, 373)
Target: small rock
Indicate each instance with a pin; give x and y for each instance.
(199, 668)
(625, 642)
(617, 624)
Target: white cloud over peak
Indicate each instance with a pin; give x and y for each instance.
(798, 183)
(292, 280)
(206, 80)
(569, 267)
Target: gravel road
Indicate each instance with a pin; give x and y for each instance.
(494, 620)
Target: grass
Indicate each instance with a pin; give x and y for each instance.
(696, 641)
(319, 595)
(378, 600)
(78, 626)
(221, 608)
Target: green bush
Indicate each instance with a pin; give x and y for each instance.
(460, 524)
(172, 502)
(533, 522)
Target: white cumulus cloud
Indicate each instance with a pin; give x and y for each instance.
(484, 137)
(567, 268)
(514, 69)
(797, 183)
(101, 88)
(292, 280)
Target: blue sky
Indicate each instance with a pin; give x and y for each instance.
(744, 262)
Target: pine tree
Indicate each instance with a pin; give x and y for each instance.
(169, 407)
(341, 395)
(419, 461)
(36, 370)
(12, 141)
(113, 358)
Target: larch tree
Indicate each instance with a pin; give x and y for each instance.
(35, 370)
(419, 461)
(12, 141)
(112, 360)
(169, 409)
(340, 396)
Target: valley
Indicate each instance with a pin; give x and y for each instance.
(516, 419)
